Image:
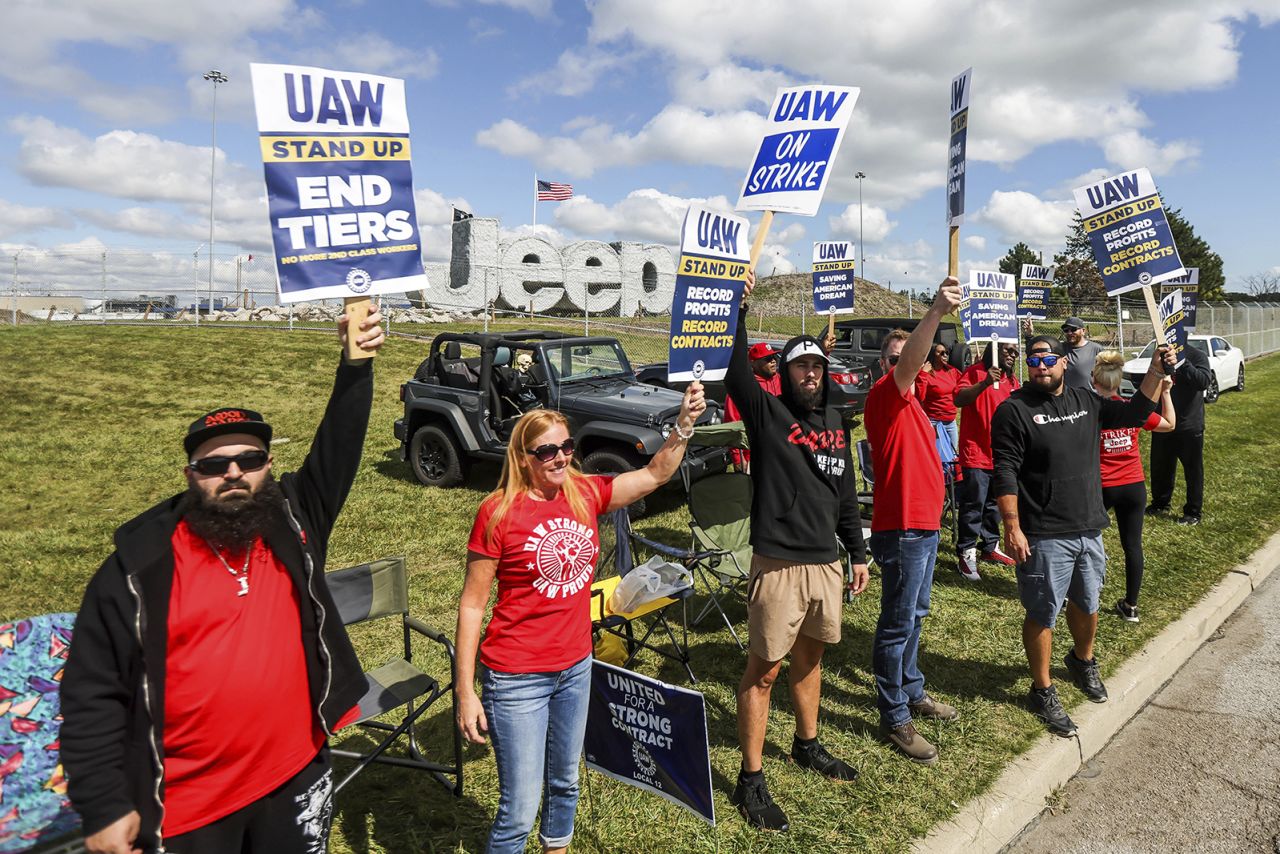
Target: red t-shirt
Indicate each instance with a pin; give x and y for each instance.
(546, 559)
(936, 390)
(238, 719)
(1120, 457)
(904, 457)
(975, 419)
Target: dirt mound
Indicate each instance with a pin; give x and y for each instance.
(782, 294)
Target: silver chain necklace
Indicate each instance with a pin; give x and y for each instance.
(243, 575)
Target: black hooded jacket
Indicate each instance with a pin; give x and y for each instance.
(804, 489)
(113, 689)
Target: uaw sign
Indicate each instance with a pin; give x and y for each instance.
(1033, 291)
(1173, 320)
(714, 259)
(956, 147)
(833, 275)
(650, 735)
(1190, 287)
(1129, 232)
(991, 308)
(335, 152)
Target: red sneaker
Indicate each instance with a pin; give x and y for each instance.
(998, 556)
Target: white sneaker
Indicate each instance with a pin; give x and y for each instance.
(968, 564)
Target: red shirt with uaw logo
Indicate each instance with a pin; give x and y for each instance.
(904, 457)
(546, 560)
(1120, 457)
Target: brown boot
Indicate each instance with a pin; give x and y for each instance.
(931, 708)
(910, 742)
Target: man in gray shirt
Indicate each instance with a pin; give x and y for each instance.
(1081, 353)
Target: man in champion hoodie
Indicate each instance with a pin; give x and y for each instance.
(804, 496)
(1048, 485)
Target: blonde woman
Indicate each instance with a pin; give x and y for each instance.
(536, 535)
(1124, 488)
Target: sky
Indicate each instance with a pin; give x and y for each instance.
(646, 106)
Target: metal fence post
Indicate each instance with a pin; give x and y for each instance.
(104, 286)
(1120, 324)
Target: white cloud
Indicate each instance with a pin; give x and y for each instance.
(1131, 150)
(21, 219)
(1021, 216)
(727, 86)
(873, 222)
(774, 260)
(976, 242)
(575, 72)
(647, 215)
(375, 54)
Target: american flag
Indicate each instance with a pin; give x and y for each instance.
(550, 191)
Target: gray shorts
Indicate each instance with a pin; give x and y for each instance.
(1060, 568)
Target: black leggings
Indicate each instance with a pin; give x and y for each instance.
(1129, 501)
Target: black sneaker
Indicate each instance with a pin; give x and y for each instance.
(751, 797)
(1085, 675)
(1044, 703)
(816, 758)
(1127, 612)
(1189, 520)
(1157, 510)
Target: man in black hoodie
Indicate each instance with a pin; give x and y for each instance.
(1185, 444)
(1048, 484)
(208, 665)
(804, 496)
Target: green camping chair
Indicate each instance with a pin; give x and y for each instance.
(721, 525)
(373, 591)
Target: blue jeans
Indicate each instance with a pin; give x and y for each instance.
(949, 448)
(906, 561)
(536, 722)
(979, 515)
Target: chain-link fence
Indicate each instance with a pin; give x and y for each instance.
(94, 284)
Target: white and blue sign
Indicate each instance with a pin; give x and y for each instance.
(802, 136)
(1127, 227)
(650, 735)
(335, 150)
(1033, 291)
(833, 275)
(1190, 285)
(714, 258)
(992, 308)
(1173, 320)
(956, 146)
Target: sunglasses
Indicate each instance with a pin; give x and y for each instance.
(1048, 360)
(893, 360)
(248, 461)
(546, 453)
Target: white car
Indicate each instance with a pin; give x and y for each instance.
(1226, 361)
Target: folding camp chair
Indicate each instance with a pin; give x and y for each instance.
(720, 558)
(651, 617)
(376, 590)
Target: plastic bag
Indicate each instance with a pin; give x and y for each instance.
(651, 580)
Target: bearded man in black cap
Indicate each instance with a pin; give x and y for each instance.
(209, 665)
(804, 496)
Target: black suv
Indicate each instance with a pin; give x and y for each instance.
(858, 341)
(466, 396)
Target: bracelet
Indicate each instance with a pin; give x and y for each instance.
(682, 434)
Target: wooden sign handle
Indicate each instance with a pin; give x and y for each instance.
(831, 323)
(953, 252)
(356, 310)
(761, 233)
(1156, 326)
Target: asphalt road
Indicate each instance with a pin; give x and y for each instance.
(1199, 768)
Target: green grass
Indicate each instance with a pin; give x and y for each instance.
(92, 422)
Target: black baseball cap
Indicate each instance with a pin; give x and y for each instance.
(1072, 322)
(1055, 346)
(220, 422)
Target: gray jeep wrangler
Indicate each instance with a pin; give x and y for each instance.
(467, 395)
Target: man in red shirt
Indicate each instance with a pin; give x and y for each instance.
(904, 528)
(764, 367)
(982, 388)
(209, 665)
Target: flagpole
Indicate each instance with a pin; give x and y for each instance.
(535, 198)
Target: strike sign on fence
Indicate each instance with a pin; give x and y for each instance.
(802, 134)
(1129, 232)
(335, 151)
(710, 277)
(833, 275)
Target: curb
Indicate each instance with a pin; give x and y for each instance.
(995, 818)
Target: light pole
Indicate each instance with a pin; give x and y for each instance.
(861, 253)
(215, 76)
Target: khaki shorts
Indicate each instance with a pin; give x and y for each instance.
(786, 600)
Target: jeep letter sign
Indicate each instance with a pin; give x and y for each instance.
(335, 151)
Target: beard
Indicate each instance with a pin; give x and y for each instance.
(233, 523)
(805, 399)
(1049, 383)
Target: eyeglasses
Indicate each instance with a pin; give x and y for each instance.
(248, 461)
(893, 360)
(1048, 360)
(546, 453)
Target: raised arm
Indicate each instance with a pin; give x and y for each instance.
(634, 485)
(1135, 411)
(916, 349)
